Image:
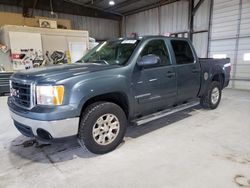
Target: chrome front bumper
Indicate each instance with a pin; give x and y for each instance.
(57, 129)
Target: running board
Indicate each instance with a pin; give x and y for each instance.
(157, 115)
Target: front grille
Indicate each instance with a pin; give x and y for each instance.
(21, 93)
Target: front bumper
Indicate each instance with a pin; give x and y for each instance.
(46, 130)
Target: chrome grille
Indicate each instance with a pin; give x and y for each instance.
(21, 93)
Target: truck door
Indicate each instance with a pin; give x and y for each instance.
(187, 68)
(154, 86)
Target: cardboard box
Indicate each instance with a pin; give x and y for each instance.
(17, 19)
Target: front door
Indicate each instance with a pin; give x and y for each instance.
(154, 86)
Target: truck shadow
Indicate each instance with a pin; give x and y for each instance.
(24, 148)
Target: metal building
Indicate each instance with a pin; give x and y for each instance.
(218, 28)
(77, 80)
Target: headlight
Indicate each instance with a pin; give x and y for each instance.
(49, 95)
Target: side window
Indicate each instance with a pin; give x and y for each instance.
(182, 51)
(158, 48)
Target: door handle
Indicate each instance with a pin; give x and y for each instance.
(170, 74)
(195, 70)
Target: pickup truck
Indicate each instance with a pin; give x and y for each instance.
(116, 82)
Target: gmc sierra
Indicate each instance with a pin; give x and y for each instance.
(116, 82)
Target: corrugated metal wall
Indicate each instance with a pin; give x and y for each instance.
(13, 9)
(143, 23)
(200, 42)
(174, 17)
(98, 28)
(171, 18)
(230, 37)
(201, 23)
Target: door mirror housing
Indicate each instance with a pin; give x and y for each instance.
(148, 60)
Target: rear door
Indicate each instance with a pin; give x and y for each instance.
(154, 86)
(187, 68)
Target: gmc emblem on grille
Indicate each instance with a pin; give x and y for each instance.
(14, 92)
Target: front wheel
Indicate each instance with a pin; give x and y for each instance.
(212, 97)
(102, 127)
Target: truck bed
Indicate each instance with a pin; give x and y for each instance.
(216, 61)
(212, 66)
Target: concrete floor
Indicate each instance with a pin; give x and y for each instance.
(193, 148)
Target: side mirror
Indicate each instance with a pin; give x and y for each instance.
(146, 60)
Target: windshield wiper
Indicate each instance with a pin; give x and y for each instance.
(100, 62)
(80, 61)
(93, 61)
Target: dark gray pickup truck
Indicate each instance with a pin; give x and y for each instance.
(117, 82)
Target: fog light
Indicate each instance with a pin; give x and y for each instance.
(43, 134)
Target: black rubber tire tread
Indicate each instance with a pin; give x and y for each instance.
(88, 119)
(206, 101)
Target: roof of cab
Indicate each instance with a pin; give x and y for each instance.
(140, 38)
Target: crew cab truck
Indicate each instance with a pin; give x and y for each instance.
(116, 82)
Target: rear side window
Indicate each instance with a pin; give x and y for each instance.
(183, 52)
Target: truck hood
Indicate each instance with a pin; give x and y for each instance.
(60, 72)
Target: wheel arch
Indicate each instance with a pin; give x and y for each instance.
(118, 98)
(219, 77)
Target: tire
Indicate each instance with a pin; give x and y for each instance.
(210, 100)
(102, 127)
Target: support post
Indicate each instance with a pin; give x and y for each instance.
(191, 20)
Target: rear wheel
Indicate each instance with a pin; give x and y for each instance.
(212, 97)
(102, 127)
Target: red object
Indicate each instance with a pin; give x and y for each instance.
(15, 56)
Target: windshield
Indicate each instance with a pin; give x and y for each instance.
(111, 52)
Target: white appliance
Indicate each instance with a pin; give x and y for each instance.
(39, 44)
